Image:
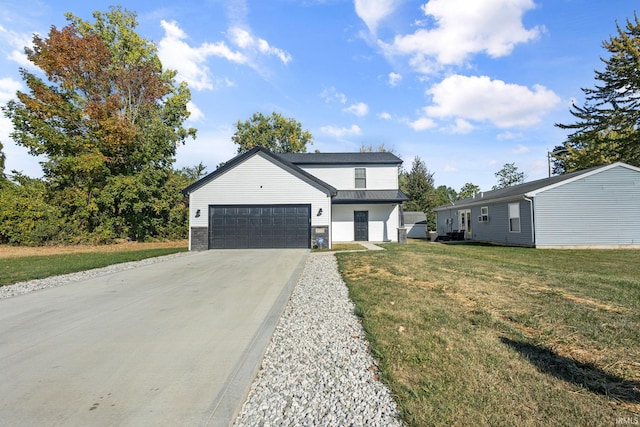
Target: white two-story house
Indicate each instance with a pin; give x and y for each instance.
(260, 199)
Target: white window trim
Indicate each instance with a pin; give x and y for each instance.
(511, 208)
(484, 214)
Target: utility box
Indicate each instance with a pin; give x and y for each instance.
(402, 235)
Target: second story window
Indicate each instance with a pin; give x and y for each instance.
(361, 178)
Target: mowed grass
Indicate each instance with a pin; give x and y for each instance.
(18, 264)
(337, 247)
(497, 336)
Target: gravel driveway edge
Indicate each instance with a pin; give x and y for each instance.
(318, 370)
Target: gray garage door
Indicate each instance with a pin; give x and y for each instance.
(259, 226)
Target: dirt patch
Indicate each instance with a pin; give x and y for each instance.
(24, 251)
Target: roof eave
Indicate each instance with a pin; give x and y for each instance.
(240, 158)
(479, 201)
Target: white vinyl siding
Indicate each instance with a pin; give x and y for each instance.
(379, 177)
(600, 209)
(514, 217)
(383, 222)
(258, 180)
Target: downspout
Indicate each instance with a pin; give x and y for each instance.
(533, 224)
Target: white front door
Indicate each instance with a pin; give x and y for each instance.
(464, 222)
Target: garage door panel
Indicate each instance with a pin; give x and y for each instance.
(259, 226)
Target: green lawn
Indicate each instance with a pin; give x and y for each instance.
(483, 335)
(336, 247)
(17, 269)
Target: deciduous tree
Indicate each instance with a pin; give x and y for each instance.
(607, 126)
(445, 195)
(107, 123)
(468, 190)
(508, 176)
(275, 132)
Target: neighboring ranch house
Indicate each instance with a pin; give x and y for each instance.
(416, 224)
(596, 207)
(260, 199)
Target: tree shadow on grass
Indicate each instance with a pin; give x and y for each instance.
(586, 375)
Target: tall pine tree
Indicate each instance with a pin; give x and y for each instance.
(418, 185)
(607, 125)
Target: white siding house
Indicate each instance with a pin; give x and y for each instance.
(262, 199)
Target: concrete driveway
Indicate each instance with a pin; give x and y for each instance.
(174, 343)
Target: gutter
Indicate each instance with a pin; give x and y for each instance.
(478, 202)
(533, 224)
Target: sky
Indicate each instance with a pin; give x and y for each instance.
(465, 85)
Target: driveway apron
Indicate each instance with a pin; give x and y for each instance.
(172, 343)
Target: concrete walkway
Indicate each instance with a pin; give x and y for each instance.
(371, 246)
(172, 343)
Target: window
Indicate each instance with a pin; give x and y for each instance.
(484, 214)
(361, 178)
(514, 217)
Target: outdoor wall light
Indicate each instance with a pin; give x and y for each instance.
(319, 211)
(198, 213)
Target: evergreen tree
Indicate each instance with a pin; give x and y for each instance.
(418, 185)
(607, 125)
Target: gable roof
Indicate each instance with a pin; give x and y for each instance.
(285, 164)
(377, 158)
(531, 189)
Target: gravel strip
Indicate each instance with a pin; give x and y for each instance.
(22, 288)
(317, 370)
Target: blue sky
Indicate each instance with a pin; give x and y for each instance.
(466, 85)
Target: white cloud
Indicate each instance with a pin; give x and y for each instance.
(423, 123)
(385, 116)
(374, 11)
(331, 94)
(18, 41)
(190, 62)
(521, 149)
(196, 113)
(8, 89)
(461, 126)
(504, 136)
(464, 28)
(340, 132)
(394, 79)
(246, 41)
(482, 99)
(360, 109)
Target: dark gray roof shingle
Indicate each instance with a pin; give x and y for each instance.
(369, 196)
(382, 158)
(517, 190)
